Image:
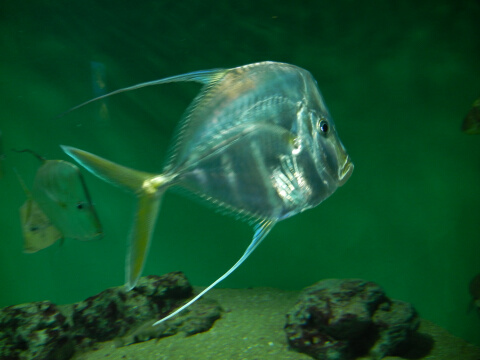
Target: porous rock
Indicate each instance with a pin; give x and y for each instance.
(115, 311)
(35, 330)
(341, 319)
(43, 330)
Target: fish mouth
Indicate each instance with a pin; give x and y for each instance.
(345, 171)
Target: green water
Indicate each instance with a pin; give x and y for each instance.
(398, 80)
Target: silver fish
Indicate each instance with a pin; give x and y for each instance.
(60, 193)
(258, 142)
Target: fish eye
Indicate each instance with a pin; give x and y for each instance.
(80, 206)
(323, 126)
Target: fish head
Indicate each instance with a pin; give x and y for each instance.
(336, 159)
(37, 229)
(332, 162)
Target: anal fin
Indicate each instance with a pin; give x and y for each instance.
(261, 231)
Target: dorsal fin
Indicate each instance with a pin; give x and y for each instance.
(39, 157)
(202, 76)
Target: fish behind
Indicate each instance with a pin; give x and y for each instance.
(99, 87)
(60, 193)
(471, 122)
(474, 289)
(257, 142)
(37, 229)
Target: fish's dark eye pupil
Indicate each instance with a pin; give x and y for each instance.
(80, 206)
(324, 126)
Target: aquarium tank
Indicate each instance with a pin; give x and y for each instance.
(398, 79)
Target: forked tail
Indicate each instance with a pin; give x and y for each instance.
(148, 188)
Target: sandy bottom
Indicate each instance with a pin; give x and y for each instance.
(252, 328)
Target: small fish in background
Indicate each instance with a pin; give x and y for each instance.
(471, 122)
(60, 193)
(474, 288)
(37, 229)
(99, 88)
(258, 142)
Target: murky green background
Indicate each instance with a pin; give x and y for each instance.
(398, 78)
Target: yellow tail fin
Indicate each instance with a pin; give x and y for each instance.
(148, 188)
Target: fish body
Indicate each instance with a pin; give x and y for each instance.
(59, 199)
(248, 143)
(61, 192)
(471, 122)
(257, 142)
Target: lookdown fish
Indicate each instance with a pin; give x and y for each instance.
(257, 142)
(59, 206)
